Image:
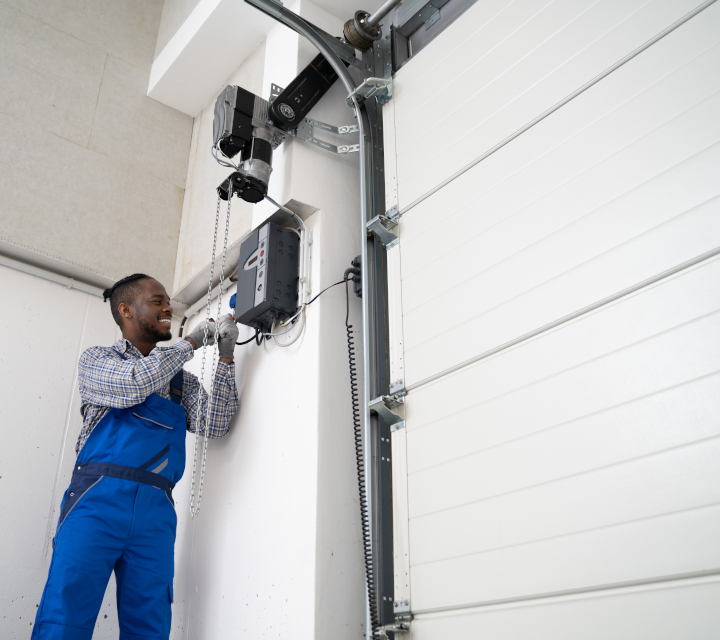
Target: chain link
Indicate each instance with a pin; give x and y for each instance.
(195, 508)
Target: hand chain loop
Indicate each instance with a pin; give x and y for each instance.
(195, 508)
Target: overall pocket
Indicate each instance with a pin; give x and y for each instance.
(155, 422)
(79, 486)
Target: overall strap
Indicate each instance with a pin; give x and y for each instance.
(176, 387)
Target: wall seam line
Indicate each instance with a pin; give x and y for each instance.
(66, 430)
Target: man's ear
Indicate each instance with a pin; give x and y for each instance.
(125, 311)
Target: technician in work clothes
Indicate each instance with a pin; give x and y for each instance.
(118, 512)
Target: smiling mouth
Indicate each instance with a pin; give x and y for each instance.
(165, 320)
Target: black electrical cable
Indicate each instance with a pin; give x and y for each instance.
(324, 290)
(359, 458)
(259, 336)
(182, 324)
(255, 337)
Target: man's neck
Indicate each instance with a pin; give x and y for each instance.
(142, 346)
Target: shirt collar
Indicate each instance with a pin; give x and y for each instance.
(125, 346)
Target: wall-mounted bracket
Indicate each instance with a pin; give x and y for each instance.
(398, 627)
(275, 91)
(384, 406)
(306, 131)
(397, 426)
(403, 618)
(401, 608)
(397, 387)
(378, 88)
(382, 227)
(429, 14)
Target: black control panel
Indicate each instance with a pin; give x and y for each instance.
(268, 276)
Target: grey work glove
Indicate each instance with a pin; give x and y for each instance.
(228, 336)
(198, 333)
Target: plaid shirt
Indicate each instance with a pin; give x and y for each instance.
(120, 377)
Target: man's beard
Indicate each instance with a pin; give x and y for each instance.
(153, 333)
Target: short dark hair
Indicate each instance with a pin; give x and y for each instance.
(125, 290)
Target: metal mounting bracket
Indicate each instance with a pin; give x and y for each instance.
(429, 14)
(398, 627)
(275, 91)
(384, 406)
(397, 387)
(382, 227)
(403, 618)
(306, 131)
(378, 88)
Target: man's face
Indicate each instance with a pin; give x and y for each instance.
(152, 311)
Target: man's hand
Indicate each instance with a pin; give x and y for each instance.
(228, 337)
(195, 338)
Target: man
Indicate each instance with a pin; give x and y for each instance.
(118, 512)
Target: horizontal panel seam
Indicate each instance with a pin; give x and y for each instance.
(474, 97)
(584, 472)
(657, 580)
(586, 173)
(572, 316)
(474, 35)
(562, 102)
(565, 423)
(415, 429)
(560, 229)
(570, 534)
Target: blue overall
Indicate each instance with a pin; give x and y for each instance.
(118, 514)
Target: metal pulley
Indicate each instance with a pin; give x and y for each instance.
(359, 33)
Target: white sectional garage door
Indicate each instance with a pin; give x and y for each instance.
(560, 327)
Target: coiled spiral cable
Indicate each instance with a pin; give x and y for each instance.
(360, 460)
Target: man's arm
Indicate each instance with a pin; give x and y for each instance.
(119, 384)
(223, 404)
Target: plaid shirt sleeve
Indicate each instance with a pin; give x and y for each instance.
(223, 404)
(116, 383)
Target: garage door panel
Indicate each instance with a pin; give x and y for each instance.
(625, 85)
(674, 544)
(682, 239)
(539, 43)
(583, 459)
(582, 443)
(511, 109)
(670, 481)
(678, 609)
(627, 187)
(499, 197)
(644, 368)
(483, 27)
(438, 432)
(513, 95)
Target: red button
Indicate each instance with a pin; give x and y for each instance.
(262, 253)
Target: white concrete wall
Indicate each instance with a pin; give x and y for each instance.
(43, 327)
(276, 550)
(91, 169)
